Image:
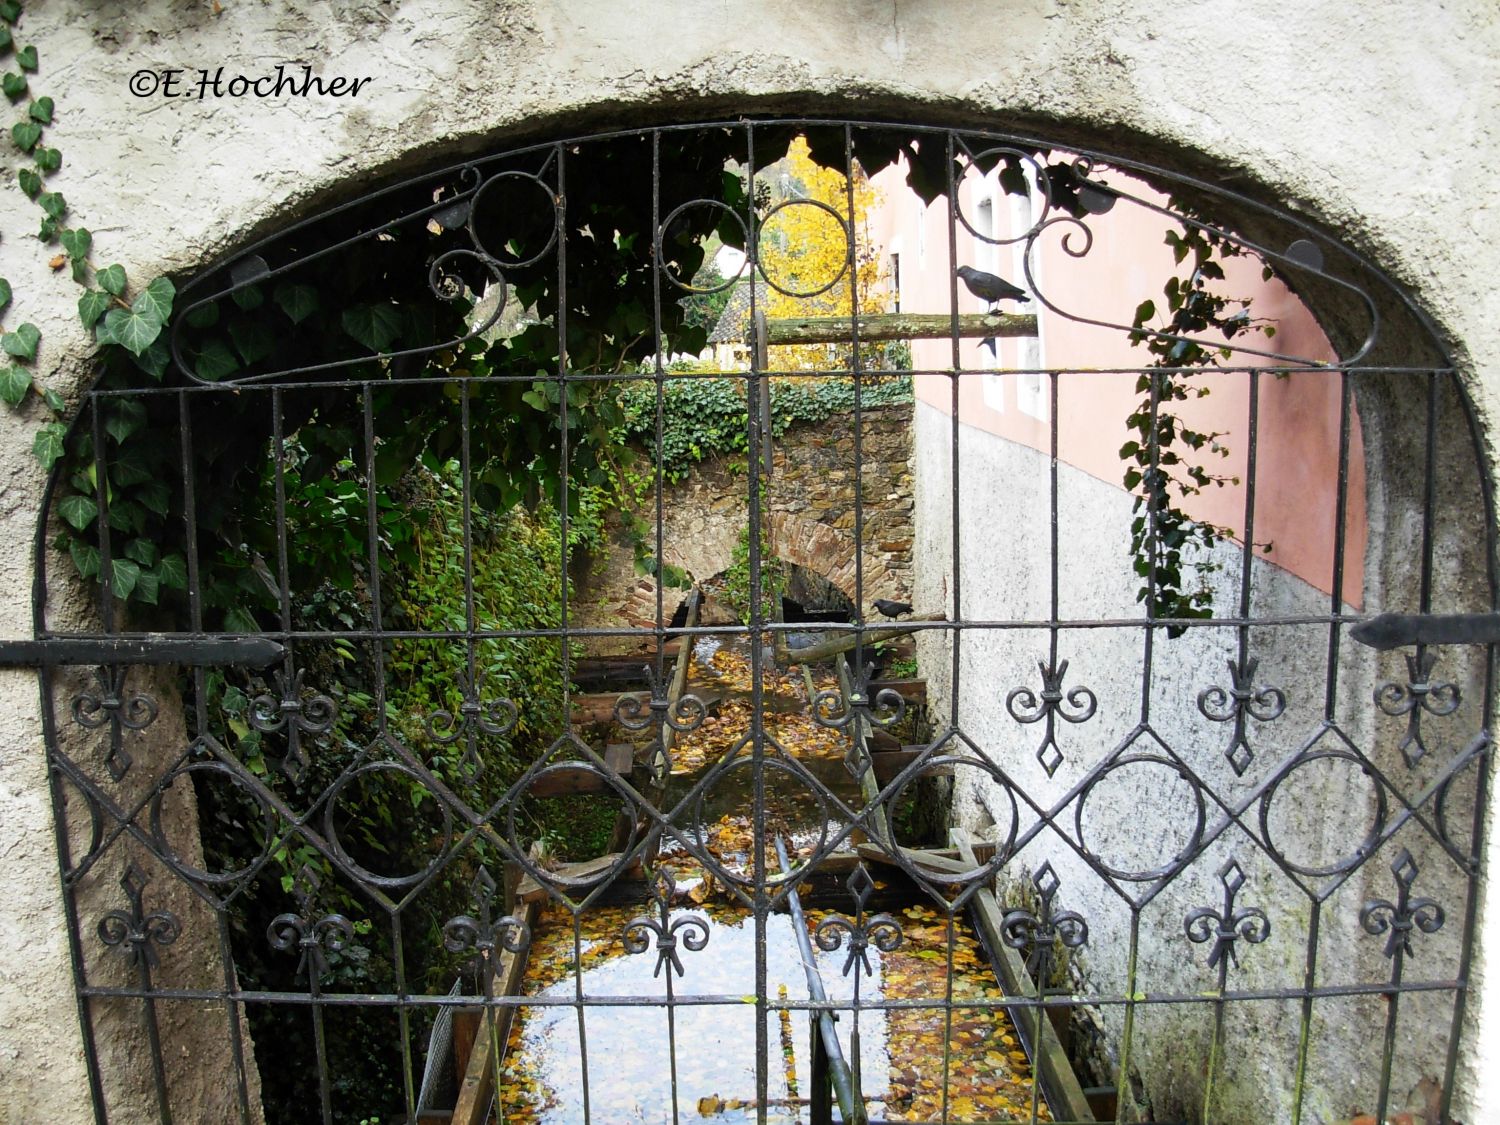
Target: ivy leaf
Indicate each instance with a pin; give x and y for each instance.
(13, 84)
(48, 230)
(124, 574)
(153, 361)
(22, 342)
(298, 301)
(156, 299)
(127, 417)
(29, 182)
(130, 329)
(91, 306)
(240, 620)
(147, 586)
(155, 496)
(249, 298)
(53, 400)
(48, 444)
(15, 383)
(374, 326)
(85, 558)
(173, 572)
(26, 58)
(48, 159)
(25, 134)
(204, 316)
(53, 203)
(252, 339)
(4, 292)
(76, 242)
(41, 110)
(216, 361)
(11, 11)
(112, 279)
(142, 551)
(78, 510)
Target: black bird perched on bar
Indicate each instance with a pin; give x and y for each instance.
(989, 287)
(887, 608)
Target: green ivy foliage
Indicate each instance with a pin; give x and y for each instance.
(705, 416)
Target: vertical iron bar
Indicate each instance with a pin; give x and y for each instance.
(1152, 546)
(578, 1003)
(1340, 532)
(1247, 550)
(757, 685)
(377, 612)
(956, 614)
(1388, 1051)
(560, 218)
(1127, 1034)
(70, 902)
(1304, 1031)
(101, 497)
(672, 1041)
(320, 1043)
(856, 370)
(398, 959)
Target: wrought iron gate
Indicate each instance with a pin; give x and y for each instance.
(1228, 875)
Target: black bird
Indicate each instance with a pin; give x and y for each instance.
(887, 608)
(988, 287)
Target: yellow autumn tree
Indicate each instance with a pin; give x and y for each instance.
(803, 248)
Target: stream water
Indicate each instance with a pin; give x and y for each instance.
(908, 1057)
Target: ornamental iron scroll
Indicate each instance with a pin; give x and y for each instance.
(1420, 693)
(636, 711)
(832, 708)
(476, 716)
(880, 930)
(312, 937)
(690, 929)
(1025, 706)
(1242, 701)
(288, 710)
(136, 930)
(1406, 914)
(110, 704)
(1038, 931)
(485, 937)
(1227, 926)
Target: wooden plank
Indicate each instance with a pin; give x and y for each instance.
(913, 691)
(530, 891)
(1049, 1061)
(476, 1090)
(824, 650)
(897, 326)
(891, 762)
(869, 786)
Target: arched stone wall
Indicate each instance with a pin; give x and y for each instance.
(1377, 123)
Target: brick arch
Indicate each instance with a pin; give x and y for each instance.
(829, 552)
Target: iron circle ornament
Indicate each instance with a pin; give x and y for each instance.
(477, 210)
(666, 225)
(846, 263)
(1350, 860)
(447, 285)
(206, 773)
(341, 854)
(1004, 848)
(974, 162)
(560, 880)
(788, 767)
(1181, 857)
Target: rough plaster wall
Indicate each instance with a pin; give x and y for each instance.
(1378, 120)
(1140, 815)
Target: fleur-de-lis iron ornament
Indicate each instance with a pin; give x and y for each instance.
(1021, 929)
(881, 930)
(110, 704)
(476, 715)
(1241, 702)
(690, 929)
(138, 931)
(880, 709)
(639, 710)
(1420, 693)
(1227, 926)
(288, 710)
(314, 938)
(1026, 707)
(485, 936)
(1399, 918)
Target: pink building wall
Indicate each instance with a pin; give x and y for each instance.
(1128, 262)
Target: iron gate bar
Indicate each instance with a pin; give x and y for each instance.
(1398, 630)
(152, 648)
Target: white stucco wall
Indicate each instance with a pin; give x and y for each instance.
(1377, 120)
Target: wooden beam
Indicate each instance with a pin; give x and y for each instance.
(844, 642)
(476, 1090)
(1049, 1062)
(874, 327)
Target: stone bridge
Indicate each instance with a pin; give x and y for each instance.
(810, 499)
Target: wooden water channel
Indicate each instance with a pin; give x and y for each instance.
(482, 1034)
